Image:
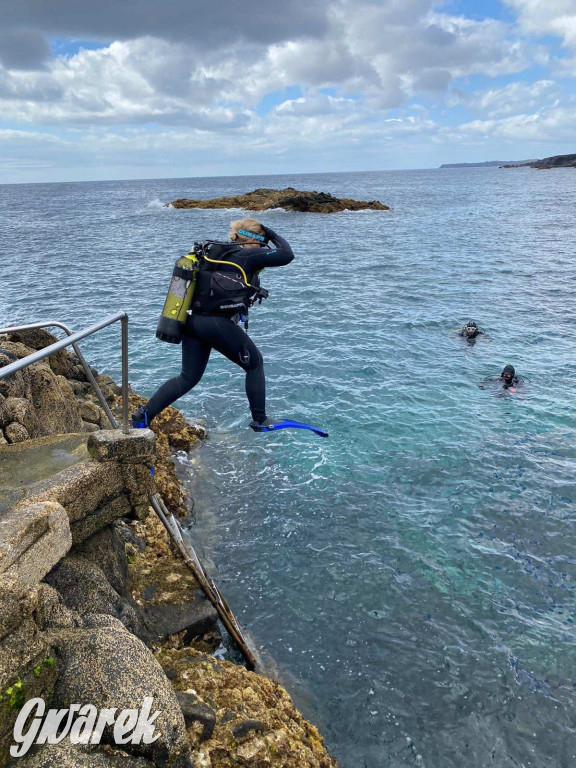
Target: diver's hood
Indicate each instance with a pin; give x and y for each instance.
(508, 369)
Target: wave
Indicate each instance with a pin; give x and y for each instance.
(156, 203)
(364, 210)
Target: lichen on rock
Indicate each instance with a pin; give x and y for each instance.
(256, 722)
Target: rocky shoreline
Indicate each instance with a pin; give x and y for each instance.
(288, 199)
(96, 607)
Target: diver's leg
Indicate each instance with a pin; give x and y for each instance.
(195, 354)
(231, 341)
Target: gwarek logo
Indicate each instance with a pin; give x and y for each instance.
(82, 724)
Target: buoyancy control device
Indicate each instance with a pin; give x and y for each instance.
(223, 287)
(200, 285)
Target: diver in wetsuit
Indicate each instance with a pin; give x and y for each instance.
(508, 379)
(210, 326)
(471, 330)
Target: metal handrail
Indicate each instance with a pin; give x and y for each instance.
(169, 521)
(71, 340)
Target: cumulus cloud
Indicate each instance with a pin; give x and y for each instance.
(199, 72)
(515, 98)
(543, 127)
(545, 17)
(383, 52)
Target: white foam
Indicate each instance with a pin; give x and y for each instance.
(363, 210)
(156, 203)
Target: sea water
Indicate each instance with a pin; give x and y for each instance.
(412, 577)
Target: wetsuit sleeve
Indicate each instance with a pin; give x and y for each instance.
(280, 255)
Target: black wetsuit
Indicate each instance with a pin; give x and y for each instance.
(475, 335)
(203, 333)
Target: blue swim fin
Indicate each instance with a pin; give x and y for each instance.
(271, 425)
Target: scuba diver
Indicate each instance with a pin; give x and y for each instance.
(507, 379)
(211, 292)
(471, 330)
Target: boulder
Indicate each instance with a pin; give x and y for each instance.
(38, 338)
(20, 410)
(289, 199)
(107, 550)
(109, 387)
(27, 665)
(110, 668)
(51, 612)
(85, 590)
(33, 538)
(18, 384)
(54, 401)
(56, 411)
(16, 433)
(68, 755)
(51, 396)
(90, 412)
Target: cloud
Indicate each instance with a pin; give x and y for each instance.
(547, 17)
(385, 53)
(515, 98)
(23, 48)
(197, 77)
(200, 23)
(548, 125)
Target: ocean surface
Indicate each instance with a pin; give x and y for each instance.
(412, 577)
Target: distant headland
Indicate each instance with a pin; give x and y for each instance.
(489, 164)
(289, 199)
(557, 161)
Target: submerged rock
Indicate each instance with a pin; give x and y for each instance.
(289, 199)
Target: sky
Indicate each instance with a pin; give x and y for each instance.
(131, 89)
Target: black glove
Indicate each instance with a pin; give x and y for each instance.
(268, 233)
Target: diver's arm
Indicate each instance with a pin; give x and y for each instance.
(278, 256)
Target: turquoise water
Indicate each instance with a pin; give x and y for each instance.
(412, 576)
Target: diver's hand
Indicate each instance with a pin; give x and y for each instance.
(269, 234)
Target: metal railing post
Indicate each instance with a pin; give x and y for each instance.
(79, 355)
(72, 341)
(125, 426)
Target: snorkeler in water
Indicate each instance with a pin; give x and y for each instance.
(508, 380)
(471, 330)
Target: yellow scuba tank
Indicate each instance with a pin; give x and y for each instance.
(178, 300)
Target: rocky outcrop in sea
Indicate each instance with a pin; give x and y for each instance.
(289, 199)
(96, 607)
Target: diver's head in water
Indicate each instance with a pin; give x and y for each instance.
(508, 375)
(248, 233)
(471, 329)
